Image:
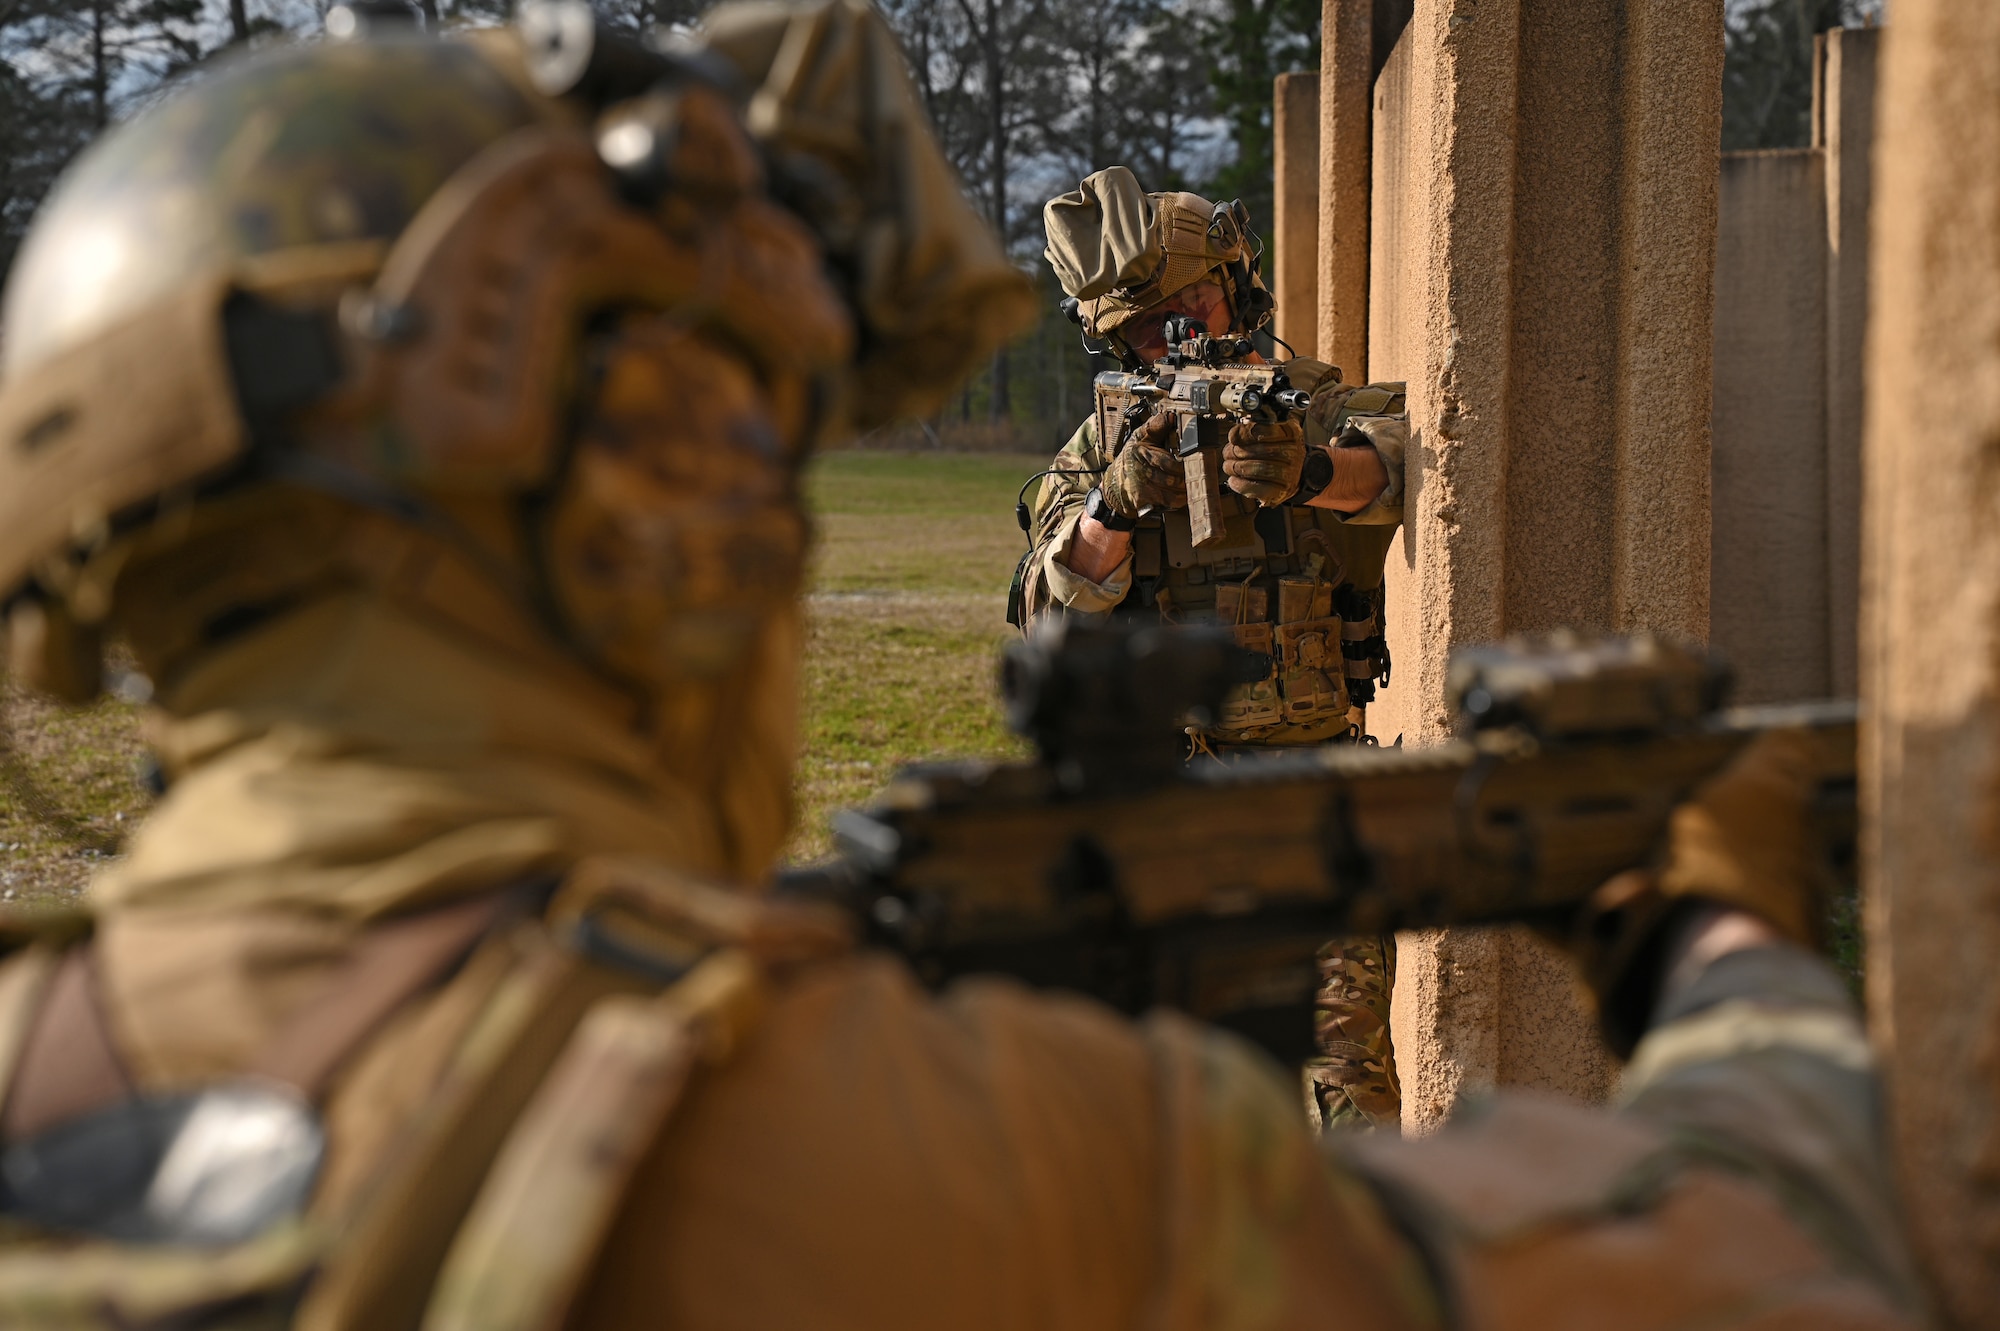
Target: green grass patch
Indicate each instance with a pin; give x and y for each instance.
(963, 485)
(907, 615)
(890, 680)
(924, 522)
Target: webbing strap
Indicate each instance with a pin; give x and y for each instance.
(70, 1065)
(531, 1240)
(387, 967)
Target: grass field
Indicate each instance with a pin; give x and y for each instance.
(69, 787)
(908, 595)
(907, 610)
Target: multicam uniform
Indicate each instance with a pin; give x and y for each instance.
(1302, 585)
(429, 966)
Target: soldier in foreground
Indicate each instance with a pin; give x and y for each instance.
(433, 444)
(1307, 513)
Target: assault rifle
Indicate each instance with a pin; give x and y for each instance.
(1112, 864)
(1205, 383)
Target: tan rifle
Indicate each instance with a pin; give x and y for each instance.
(1206, 384)
(1114, 865)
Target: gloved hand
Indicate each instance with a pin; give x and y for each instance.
(1146, 473)
(1742, 841)
(1263, 459)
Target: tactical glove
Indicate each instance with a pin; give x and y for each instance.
(1146, 473)
(1742, 841)
(1263, 459)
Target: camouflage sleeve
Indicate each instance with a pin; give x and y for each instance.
(1745, 1181)
(1378, 411)
(1057, 510)
(1760, 1067)
(1390, 436)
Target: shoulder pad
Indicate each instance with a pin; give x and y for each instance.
(1384, 399)
(1310, 374)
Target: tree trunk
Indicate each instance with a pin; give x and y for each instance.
(239, 22)
(999, 406)
(100, 67)
(996, 97)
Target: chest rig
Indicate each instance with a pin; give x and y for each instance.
(1293, 583)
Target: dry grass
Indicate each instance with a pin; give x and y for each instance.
(70, 785)
(909, 592)
(889, 679)
(910, 595)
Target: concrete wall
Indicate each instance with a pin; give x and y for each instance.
(1769, 574)
(1347, 70)
(1544, 208)
(1791, 303)
(1930, 661)
(1295, 229)
(1395, 213)
(1844, 130)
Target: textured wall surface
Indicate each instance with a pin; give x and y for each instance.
(1397, 235)
(1399, 240)
(1791, 303)
(1295, 229)
(1930, 671)
(1845, 130)
(1769, 575)
(1346, 72)
(1549, 298)
(1478, 1008)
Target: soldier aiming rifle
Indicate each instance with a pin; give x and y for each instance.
(1203, 385)
(1208, 487)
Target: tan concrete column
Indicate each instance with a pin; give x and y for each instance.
(1550, 293)
(1786, 520)
(1930, 671)
(1346, 81)
(1846, 133)
(1768, 581)
(1295, 229)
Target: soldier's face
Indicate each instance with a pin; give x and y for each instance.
(1206, 301)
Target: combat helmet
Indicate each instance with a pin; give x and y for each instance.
(372, 270)
(1118, 251)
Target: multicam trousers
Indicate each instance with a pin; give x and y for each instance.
(1352, 1084)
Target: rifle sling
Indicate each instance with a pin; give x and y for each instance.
(70, 1065)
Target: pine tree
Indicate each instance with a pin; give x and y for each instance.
(1174, 140)
(1254, 41)
(43, 121)
(1767, 73)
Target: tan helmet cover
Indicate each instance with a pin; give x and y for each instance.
(445, 348)
(1120, 251)
(494, 277)
(933, 291)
